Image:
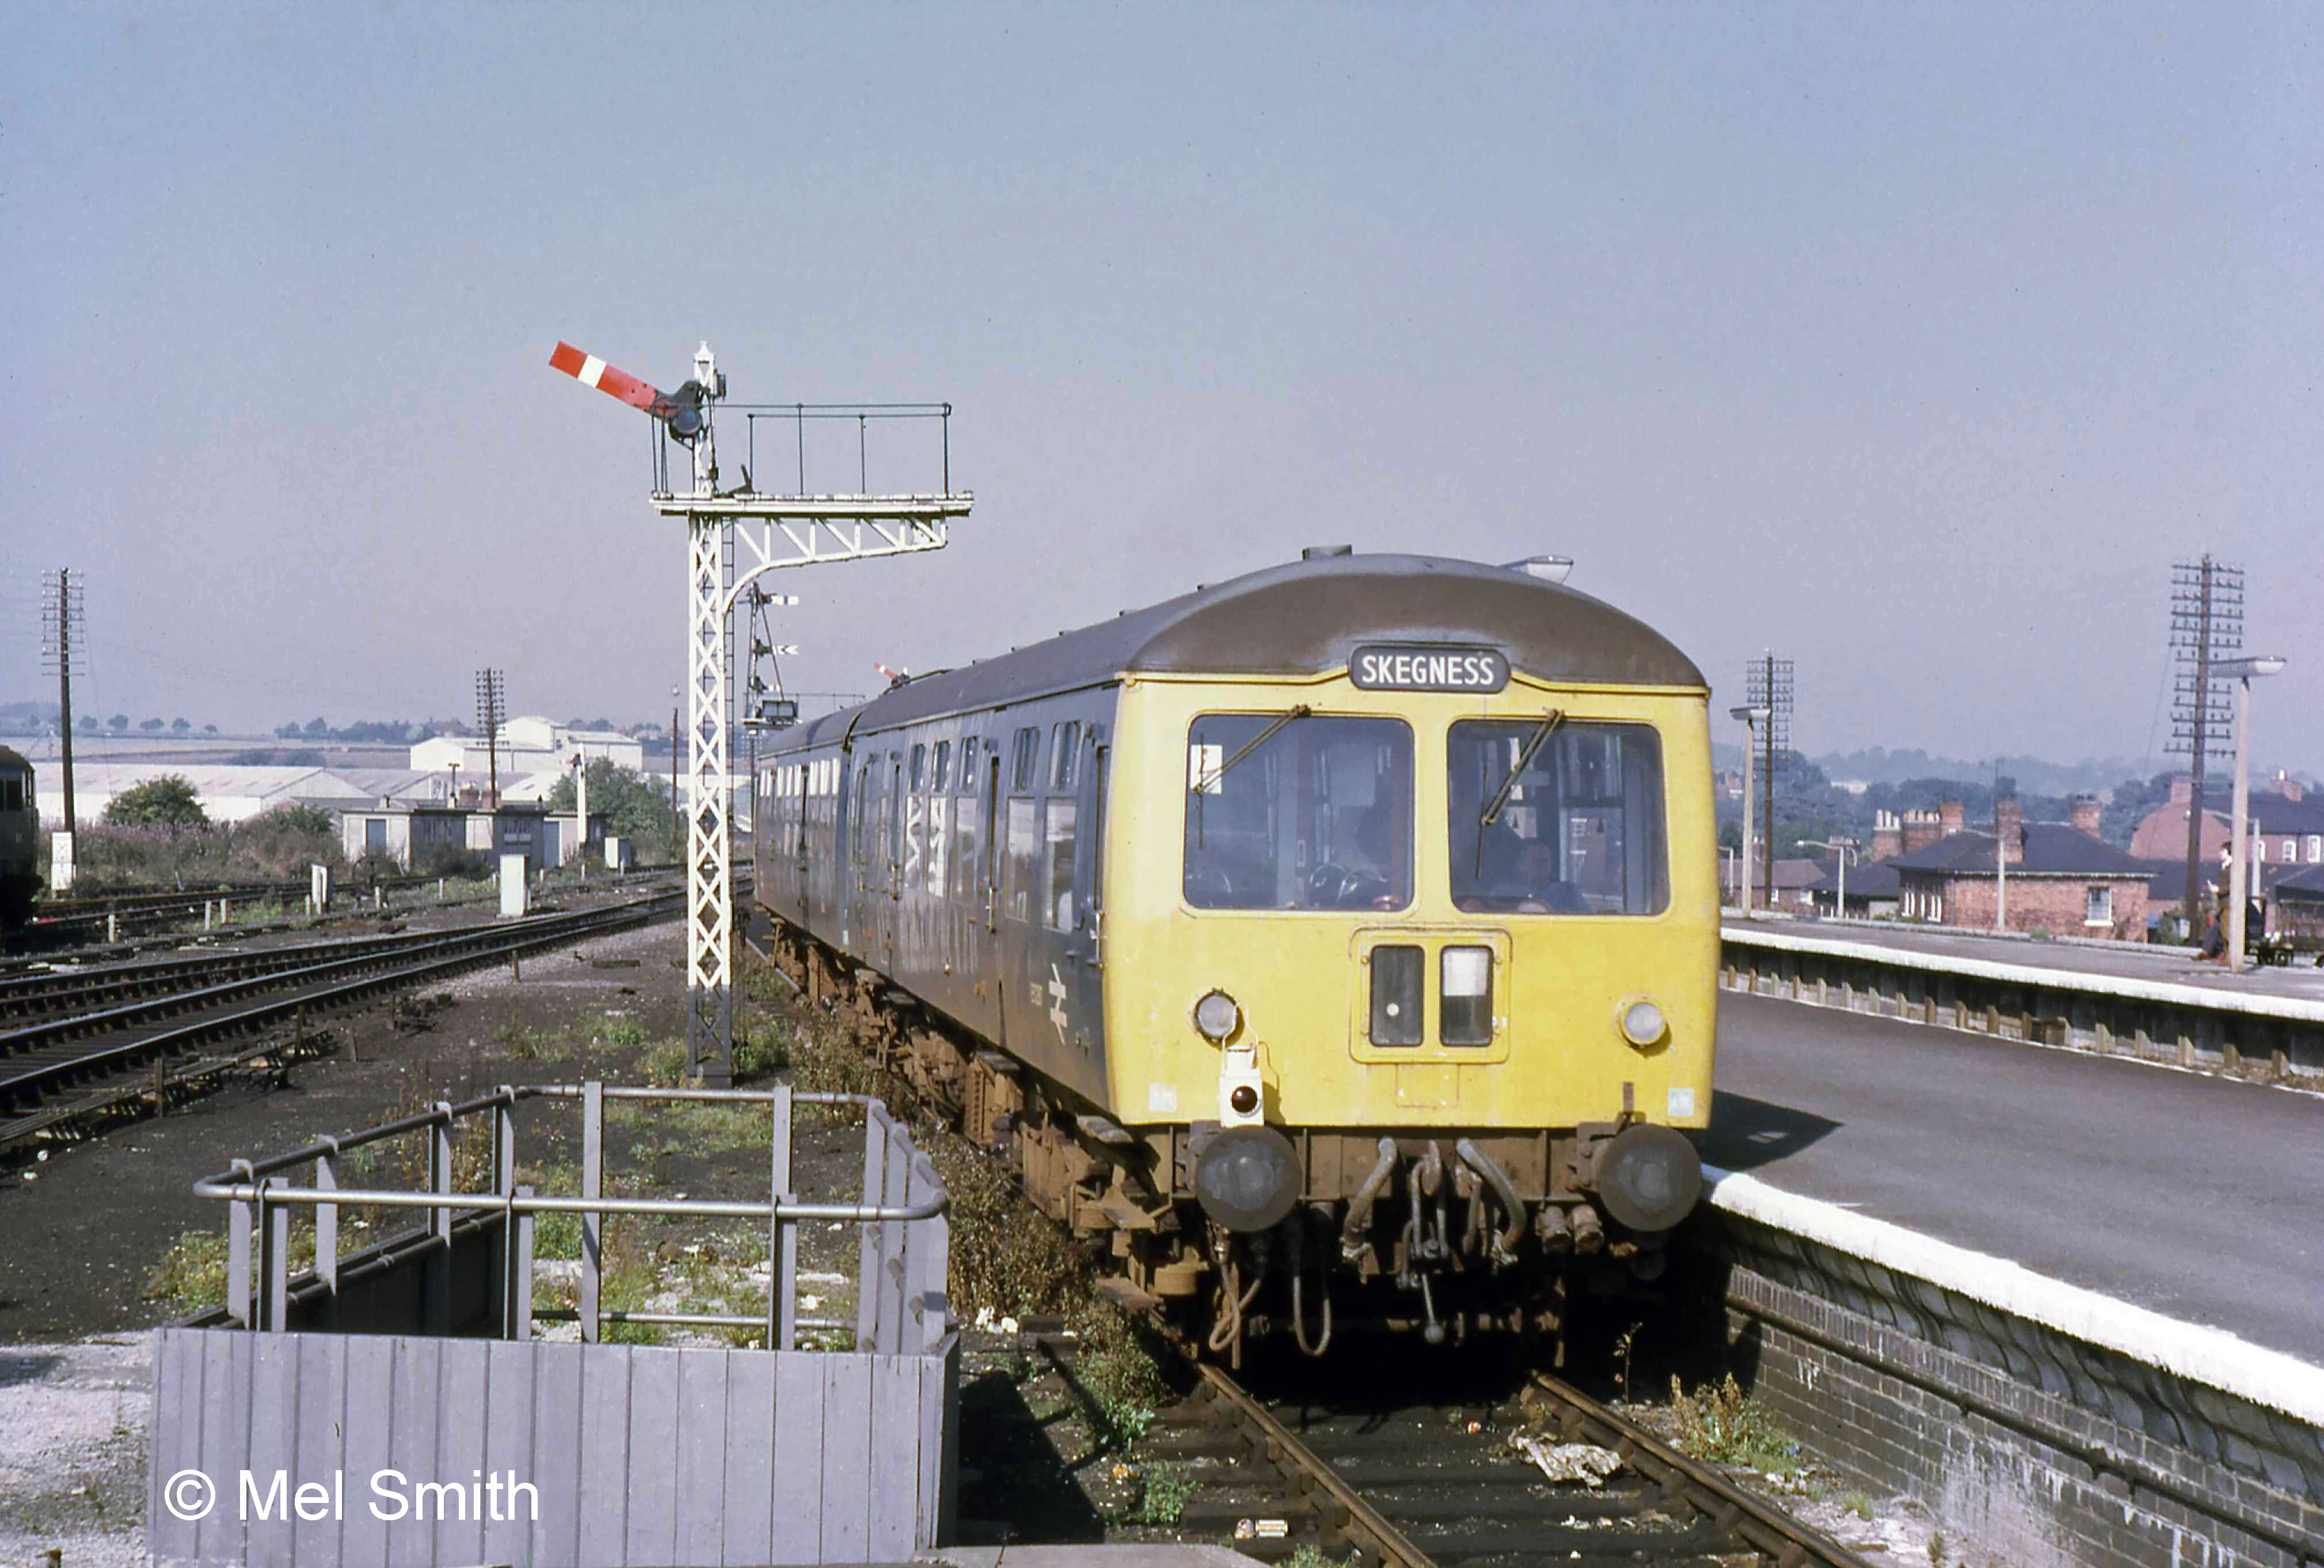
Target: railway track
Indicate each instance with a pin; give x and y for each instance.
(1433, 1481)
(74, 1064)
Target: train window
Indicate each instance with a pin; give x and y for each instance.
(1024, 857)
(1064, 741)
(939, 858)
(12, 792)
(1298, 811)
(855, 821)
(1555, 818)
(1097, 829)
(1057, 866)
(1028, 759)
(920, 765)
(943, 767)
(968, 766)
(965, 882)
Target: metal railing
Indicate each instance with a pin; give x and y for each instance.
(903, 1251)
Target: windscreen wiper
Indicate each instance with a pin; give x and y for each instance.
(1205, 784)
(1533, 743)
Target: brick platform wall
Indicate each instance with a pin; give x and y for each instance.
(2030, 1446)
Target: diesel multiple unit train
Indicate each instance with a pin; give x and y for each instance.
(20, 832)
(1339, 941)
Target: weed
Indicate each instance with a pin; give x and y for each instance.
(1162, 1493)
(1937, 1550)
(1722, 1424)
(1310, 1555)
(1624, 1343)
(612, 1030)
(1859, 1505)
(764, 1050)
(191, 1272)
(557, 1236)
(1120, 1369)
(664, 1064)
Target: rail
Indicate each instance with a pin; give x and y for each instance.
(898, 1274)
(41, 1062)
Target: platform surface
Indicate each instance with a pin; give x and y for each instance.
(2199, 1197)
(2126, 961)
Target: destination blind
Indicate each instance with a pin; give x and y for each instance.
(1427, 666)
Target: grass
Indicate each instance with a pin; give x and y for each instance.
(1119, 1367)
(1722, 1424)
(612, 1029)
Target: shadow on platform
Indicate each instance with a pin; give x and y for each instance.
(1746, 1133)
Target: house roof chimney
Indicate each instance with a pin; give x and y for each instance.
(2083, 812)
(1949, 815)
(2009, 828)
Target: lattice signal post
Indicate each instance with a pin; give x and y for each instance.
(734, 536)
(491, 713)
(1768, 684)
(2207, 629)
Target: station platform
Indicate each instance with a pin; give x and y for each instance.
(2108, 960)
(2199, 1197)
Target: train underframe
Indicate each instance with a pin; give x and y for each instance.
(1440, 1232)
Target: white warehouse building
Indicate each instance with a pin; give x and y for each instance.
(527, 745)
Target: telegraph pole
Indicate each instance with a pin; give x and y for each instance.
(59, 621)
(2206, 626)
(492, 704)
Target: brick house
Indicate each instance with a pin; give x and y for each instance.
(2287, 821)
(2062, 878)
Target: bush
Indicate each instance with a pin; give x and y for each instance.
(452, 860)
(168, 802)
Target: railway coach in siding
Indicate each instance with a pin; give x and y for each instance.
(20, 831)
(1338, 941)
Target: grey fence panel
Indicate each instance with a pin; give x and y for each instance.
(556, 1418)
(746, 1515)
(847, 1439)
(653, 1460)
(604, 1468)
(877, 1130)
(934, 1379)
(370, 1428)
(701, 1455)
(893, 1517)
(267, 1524)
(800, 1457)
(463, 1399)
(319, 1421)
(512, 1396)
(416, 1387)
(223, 1428)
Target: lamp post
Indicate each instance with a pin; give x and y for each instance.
(2242, 672)
(1753, 717)
(1843, 851)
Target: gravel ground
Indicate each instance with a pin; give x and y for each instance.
(72, 1450)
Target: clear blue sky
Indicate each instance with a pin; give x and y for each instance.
(1915, 341)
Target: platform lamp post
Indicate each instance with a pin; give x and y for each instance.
(1843, 851)
(1753, 717)
(2242, 672)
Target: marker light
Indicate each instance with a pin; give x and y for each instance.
(1643, 1024)
(1217, 1016)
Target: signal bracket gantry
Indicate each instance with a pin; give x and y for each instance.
(756, 533)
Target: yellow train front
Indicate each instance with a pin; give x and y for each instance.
(1336, 942)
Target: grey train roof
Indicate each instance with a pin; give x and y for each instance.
(10, 759)
(1307, 616)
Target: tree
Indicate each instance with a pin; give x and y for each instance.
(316, 726)
(117, 722)
(88, 723)
(179, 726)
(209, 729)
(630, 805)
(168, 802)
(150, 724)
